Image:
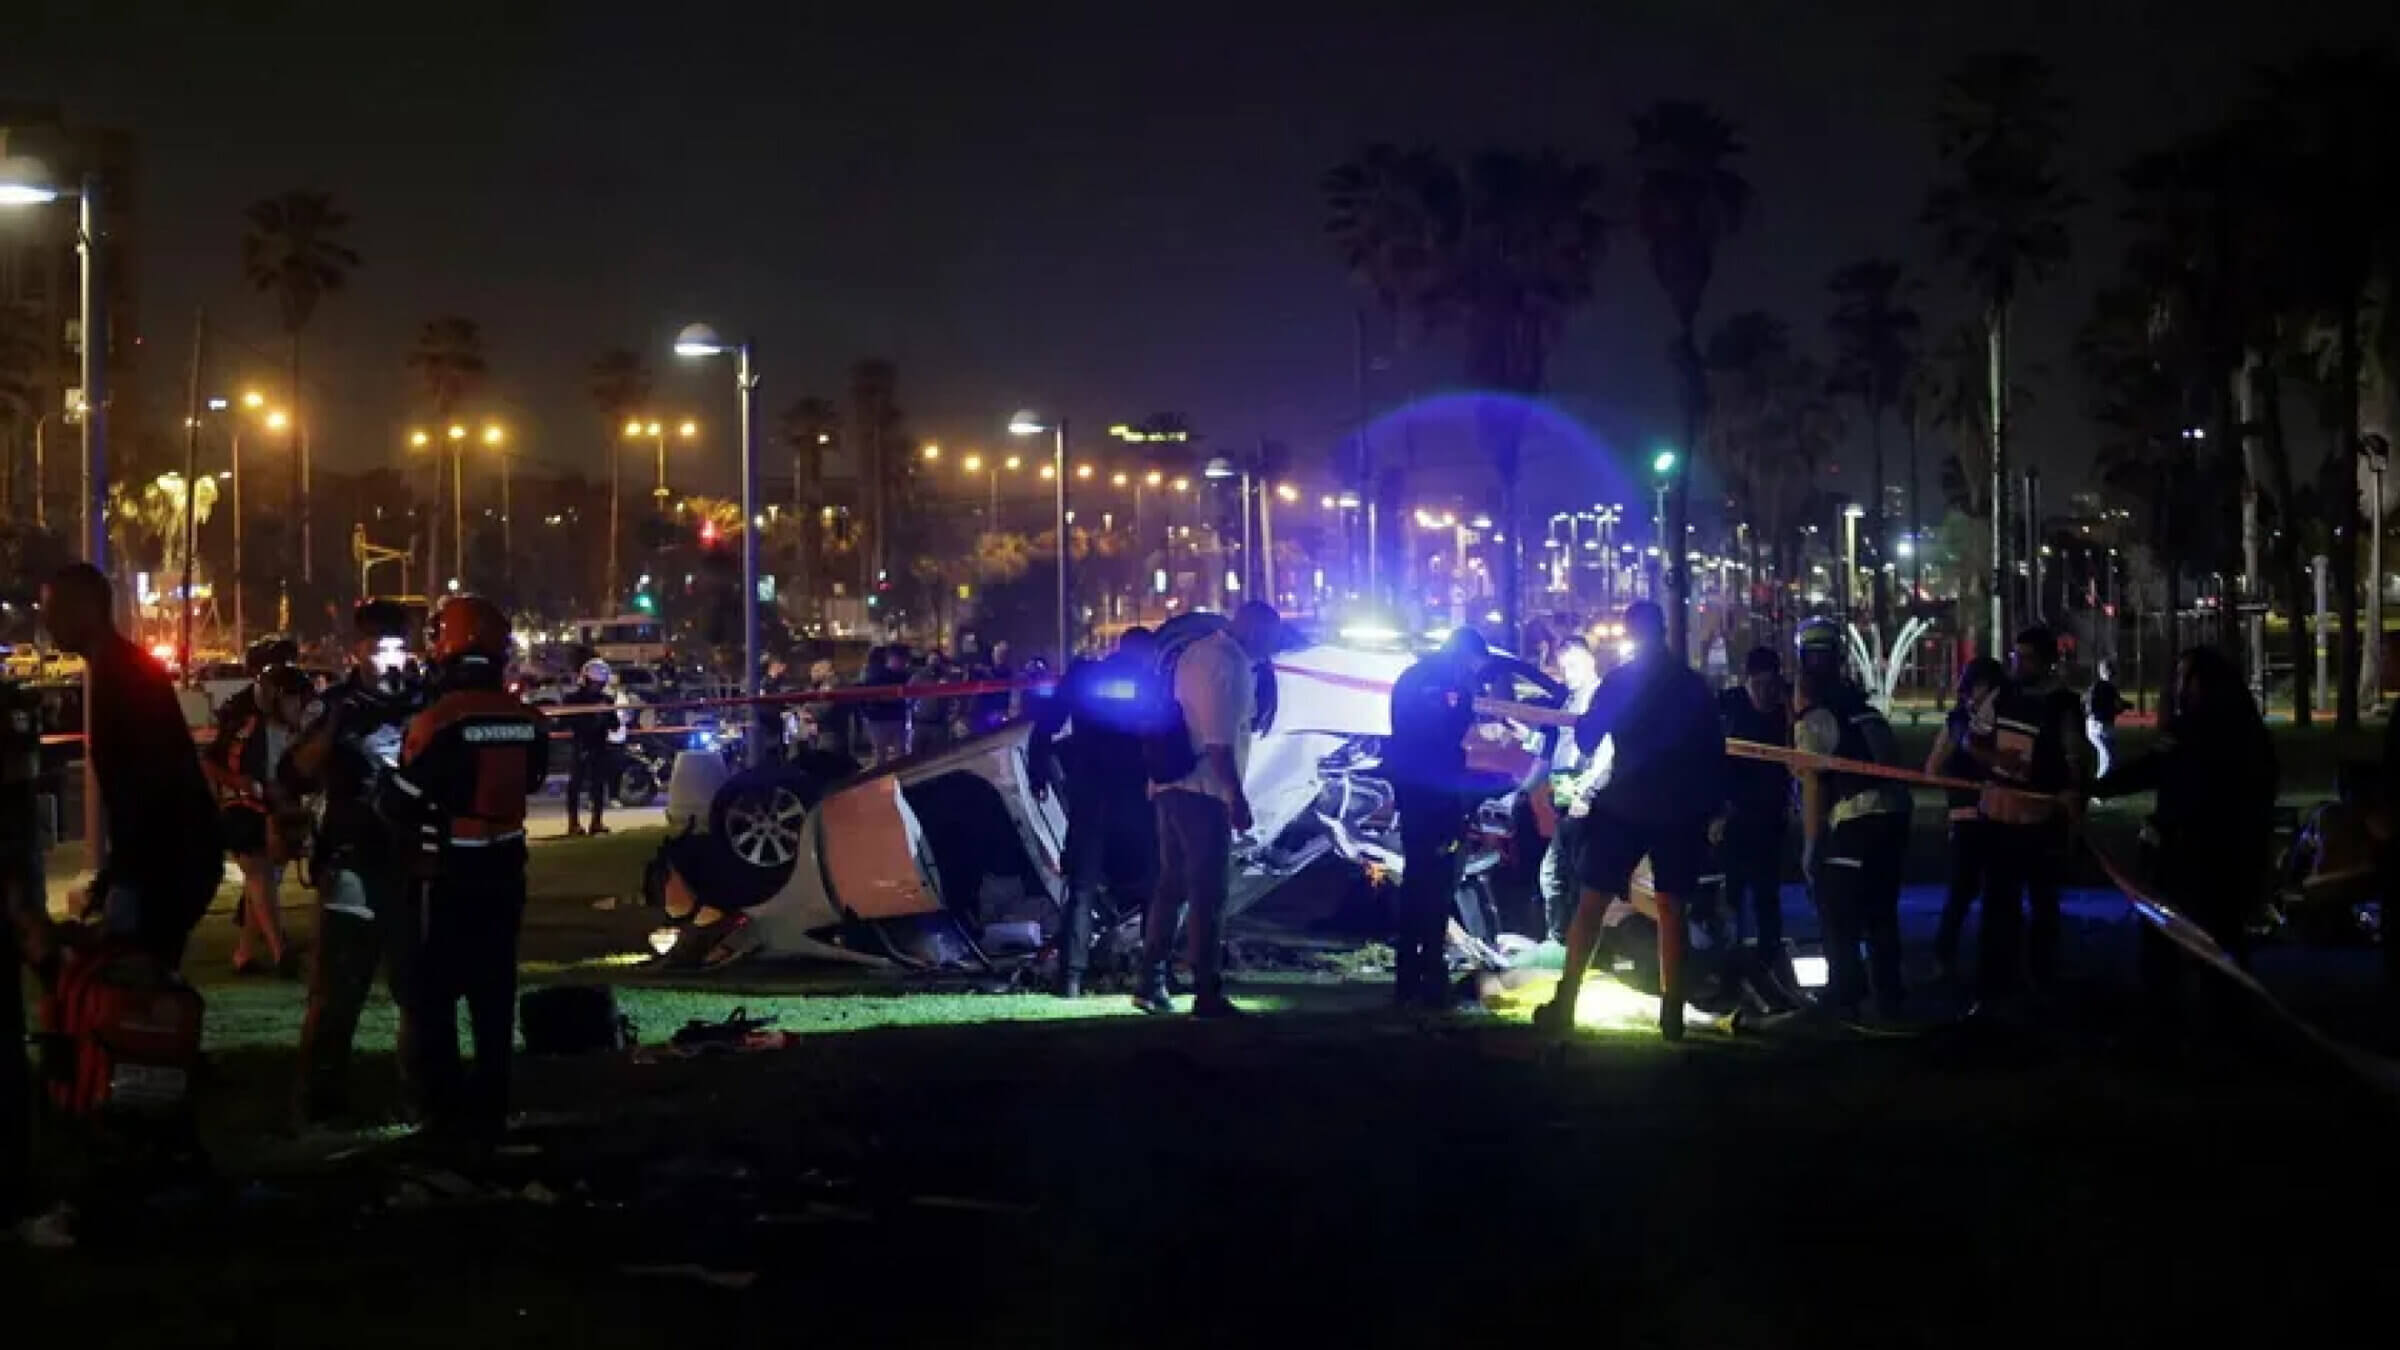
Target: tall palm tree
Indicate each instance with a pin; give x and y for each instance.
(1875, 333)
(449, 366)
(621, 388)
(293, 249)
(1999, 216)
(810, 428)
(1688, 199)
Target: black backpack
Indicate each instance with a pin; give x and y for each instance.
(1167, 754)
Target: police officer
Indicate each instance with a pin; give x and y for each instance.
(457, 797)
(1757, 807)
(597, 740)
(2039, 756)
(1112, 833)
(1855, 832)
(251, 736)
(366, 916)
(1433, 708)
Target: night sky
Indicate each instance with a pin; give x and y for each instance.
(1106, 209)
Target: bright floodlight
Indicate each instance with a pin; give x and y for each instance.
(1663, 463)
(26, 194)
(1220, 467)
(418, 438)
(698, 340)
(932, 452)
(1026, 423)
(1854, 512)
(633, 428)
(688, 429)
(492, 435)
(1015, 463)
(276, 421)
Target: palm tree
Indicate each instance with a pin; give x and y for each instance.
(1999, 217)
(21, 358)
(621, 387)
(1689, 198)
(292, 248)
(448, 363)
(1875, 333)
(811, 427)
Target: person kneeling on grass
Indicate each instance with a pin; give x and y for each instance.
(1649, 793)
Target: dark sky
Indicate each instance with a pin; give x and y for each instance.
(1106, 209)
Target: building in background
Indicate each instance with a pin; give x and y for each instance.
(41, 324)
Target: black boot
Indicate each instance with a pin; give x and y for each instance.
(1150, 991)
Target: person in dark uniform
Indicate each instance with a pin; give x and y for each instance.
(2039, 757)
(1433, 708)
(1562, 861)
(2215, 775)
(1112, 832)
(1758, 809)
(1855, 828)
(366, 916)
(597, 741)
(1651, 794)
(1969, 723)
(457, 797)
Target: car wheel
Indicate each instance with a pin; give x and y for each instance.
(637, 786)
(758, 816)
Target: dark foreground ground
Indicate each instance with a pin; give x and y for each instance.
(1322, 1174)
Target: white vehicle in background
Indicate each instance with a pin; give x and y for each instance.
(221, 680)
(626, 640)
(815, 857)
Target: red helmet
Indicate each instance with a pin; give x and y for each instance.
(469, 626)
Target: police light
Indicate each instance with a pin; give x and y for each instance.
(1117, 691)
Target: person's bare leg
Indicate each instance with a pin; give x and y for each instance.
(249, 930)
(1673, 936)
(266, 912)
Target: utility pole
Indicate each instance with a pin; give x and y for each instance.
(191, 485)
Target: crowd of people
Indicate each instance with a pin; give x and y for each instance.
(401, 800)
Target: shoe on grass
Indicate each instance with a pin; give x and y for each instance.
(1217, 1008)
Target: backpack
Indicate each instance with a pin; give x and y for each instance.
(1167, 753)
(121, 1034)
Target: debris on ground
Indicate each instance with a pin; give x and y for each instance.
(722, 1279)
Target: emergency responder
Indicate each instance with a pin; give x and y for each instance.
(254, 727)
(1757, 810)
(1821, 648)
(1968, 723)
(457, 800)
(367, 915)
(1656, 778)
(164, 858)
(2039, 760)
(1562, 861)
(1112, 833)
(597, 740)
(1854, 830)
(2215, 775)
(1433, 709)
(886, 719)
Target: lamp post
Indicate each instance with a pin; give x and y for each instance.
(1220, 469)
(457, 436)
(1662, 468)
(275, 420)
(25, 184)
(1029, 423)
(498, 441)
(699, 340)
(1851, 515)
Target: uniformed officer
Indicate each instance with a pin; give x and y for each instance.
(367, 916)
(597, 740)
(467, 764)
(1969, 723)
(1757, 808)
(1433, 708)
(1855, 829)
(1112, 832)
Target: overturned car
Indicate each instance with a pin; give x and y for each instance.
(919, 861)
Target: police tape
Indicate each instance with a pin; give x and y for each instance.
(856, 693)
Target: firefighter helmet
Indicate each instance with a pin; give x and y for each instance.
(469, 627)
(596, 671)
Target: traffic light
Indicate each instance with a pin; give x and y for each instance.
(645, 602)
(708, 533)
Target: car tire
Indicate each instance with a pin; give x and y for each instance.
(757, 817)
(637, 786)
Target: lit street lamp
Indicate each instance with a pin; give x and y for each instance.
(1662, 468)
(699, 340)
(23, 183)
(253, 403)
(1029, 423)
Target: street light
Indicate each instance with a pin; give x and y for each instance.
(700, 340)
(932, 453)
(25, 183)
(1662, 467)
(274, 420)
(496, 440)
(1029, 423)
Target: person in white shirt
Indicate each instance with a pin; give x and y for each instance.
(1199, 813)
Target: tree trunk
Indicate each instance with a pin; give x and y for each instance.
(2341, 505)
(2291, 562)
(1916, 519)
(2003, 575)
(1878, 585)
(1674, 551)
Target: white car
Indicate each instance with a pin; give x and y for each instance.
(815, 857)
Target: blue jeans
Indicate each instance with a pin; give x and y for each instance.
(1195, 859)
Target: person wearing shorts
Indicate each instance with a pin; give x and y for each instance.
(1655, 775)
